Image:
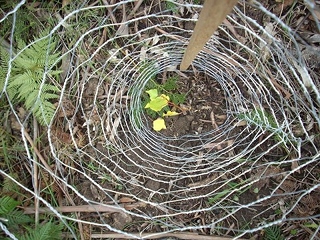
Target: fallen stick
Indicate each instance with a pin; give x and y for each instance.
(180, 235)
(86, 208)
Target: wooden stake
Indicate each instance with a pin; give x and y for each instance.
(211, 16)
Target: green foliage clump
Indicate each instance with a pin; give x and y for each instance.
(273, 233)
(161, 99)
(171, 6)
(169, 88)
(23, 21)
(259, 117)
(20, 224)
(31, 68)
(265, 120)
(47, 231)
(13, 216)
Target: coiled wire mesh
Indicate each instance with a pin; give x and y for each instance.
(252, 170)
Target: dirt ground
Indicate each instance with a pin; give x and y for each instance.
(206, 102)
(150, 171)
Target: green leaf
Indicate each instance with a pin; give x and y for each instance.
(311, 225)
(256, 190)
(159, 124)
(18, 217)
(219, 195)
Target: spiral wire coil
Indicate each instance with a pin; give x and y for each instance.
(271, 97)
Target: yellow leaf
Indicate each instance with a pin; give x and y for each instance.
(157, 104)
(165, 97)
(153, 93)
(159, 124)
(170, 114)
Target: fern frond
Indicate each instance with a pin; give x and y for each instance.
(54, 73)
(13, 216)
(21, 85)
(4, 58)
(49, 88)
(4, 54)
(31, 67)
(9, 186)
(39, 54)
(7, 205)
(48, 231)
(44, 112)
(18, 217)
(25, 62)
(273, 233)
(41, 107)
(20, 44)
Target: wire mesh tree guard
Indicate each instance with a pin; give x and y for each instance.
(242, 157)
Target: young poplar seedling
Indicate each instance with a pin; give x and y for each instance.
(157, 103)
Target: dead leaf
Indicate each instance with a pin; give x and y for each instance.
(264, 45)
(14, 124)
(234, 32)
(289, 185)
(67, 109)
(277, 85)
(316, 13)
(65, 3)
(304, 74)
(123, 29)
(314, 9)
(241, 123)
(126, 200)
(213, 120)
(94, 192)
(264, 176)
(204, 182)
(114, 131)
(282, 4)
(22, 113)
(133, 206)
(120, 219)
(295, 166)
(219, 145)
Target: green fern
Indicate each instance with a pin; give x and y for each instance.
(7, 205)
(9, 212)
(48, 231)
(16, 221)
(273, 233)
(9, 186)
(171, 6)
(4, 58)
(24, 22)
(27, 74)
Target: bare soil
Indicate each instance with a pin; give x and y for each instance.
(206, 105)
